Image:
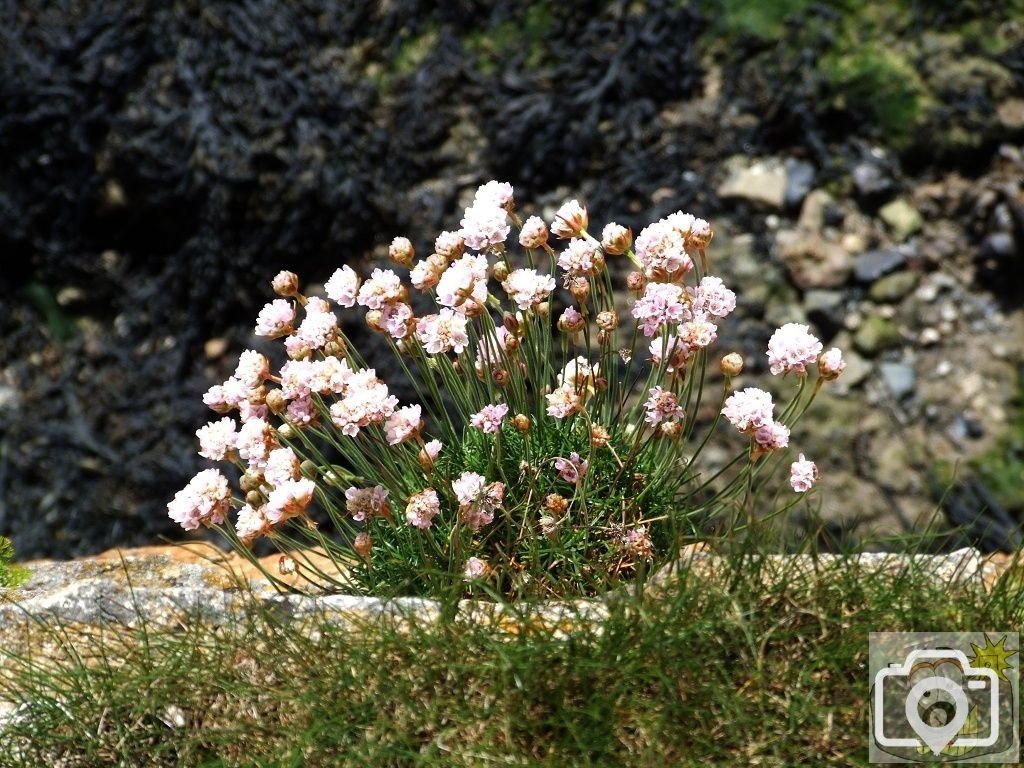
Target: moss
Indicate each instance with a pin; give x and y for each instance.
(881, 86)
(495, 44)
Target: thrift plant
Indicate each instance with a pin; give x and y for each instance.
(554, 445)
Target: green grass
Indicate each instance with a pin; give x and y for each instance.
(10, 575)
(731, 669)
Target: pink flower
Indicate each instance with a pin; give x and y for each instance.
(528, 288)
(803, 474)
(396, 319)
(289, 499)
(403, 424)
(251, 523)
(573, 469)
(831, 364)
(427, 273)
(578, 373)
(772, 437)
(318, 327)
(671, 347)
(661, 250)
(217, 439)
(749, 409)
(282, 467)
(484, 225)
(443, 332)
(383, 287)
(477, 499)
(252, 369)
(366, 503)
(449, 245)
(534, 233)
(698, 334)
(662, 406)
(367, 401)
(570, 220)
(491, 348)
(661, 305)
(489, 418)
(422, 508)
(343, 286)
(464, 282)
(791, 348)
(255, 440)
(700, 234)
(300, 412)
(498, 193)
(563, 402)
(712, 298)
(571, 321)
(204, 501)
(275, 319)
(475, 568)
(578, 258)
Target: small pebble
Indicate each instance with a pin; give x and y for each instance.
(944, 368)
(929, 336)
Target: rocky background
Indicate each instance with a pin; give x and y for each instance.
(862, 164)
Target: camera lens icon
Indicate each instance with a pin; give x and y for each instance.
(937, 689)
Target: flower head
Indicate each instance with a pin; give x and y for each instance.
(204, 501)
(749, 409)
(366, 503)
(573, 469)
(443, 332)
(477, 499)
(661, 305)
(831, 364)
(527, 287)
(662, 406)
(217, 439)
(275, 319)
(791, 348)
(343, 286)
(422, 508)
(404, 424)
(570, 220)
(489, 418)
(803, 474)
(383, 287)
(534, 233)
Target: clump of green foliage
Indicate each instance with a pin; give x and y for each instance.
(10, 575)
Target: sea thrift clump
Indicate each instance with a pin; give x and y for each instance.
(551, 440)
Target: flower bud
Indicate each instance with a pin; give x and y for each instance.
(250, 481)
(731, 365)
(309, 469)
(571, 321)
(276, 402)
(608, 320)
(599, 436)
(831, 364)
(500, 376)
(511, 344)
(542, 309)
(522, 422)
(604, 337)
(363, 545)
(511, 323)
(401, 251)
(335, 348)
(570, 220)
(636, 282)
(287, 432)
(374, 318)
(598, 261)
(616, 239)
(580, 289)
(556, 503)
(700, 234)
(500, 271)
(549, 525)
(285, 283)
(254, 499)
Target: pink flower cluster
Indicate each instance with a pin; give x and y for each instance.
(573, 469)
(803, 474)
(791, 348)
(477, 498)
(662, 406)
(489, 418)
(485, 223)
(204, 501)
(751, 412)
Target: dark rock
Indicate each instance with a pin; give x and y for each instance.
(825, 310)
(871, 265)
(799, 181)
(894, 287)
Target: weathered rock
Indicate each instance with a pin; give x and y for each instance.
(825, 310)
(857, 370)
(812, 212)
(763, 183)
(894, 287)
(899, 378)
(871, 265)
(875, 335)
(1011, 113)
(811, 261)
(901, 217)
